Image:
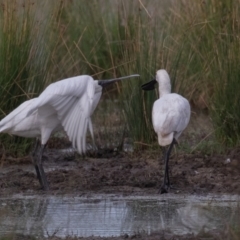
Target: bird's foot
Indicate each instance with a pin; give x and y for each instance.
(163, 189)
(166, 188)
(173, 188)
(175, 141)
(45, 187)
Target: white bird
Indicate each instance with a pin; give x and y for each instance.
(67, 104)
(170, 116)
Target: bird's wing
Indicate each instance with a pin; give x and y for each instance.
(171, 114)
(17, 115)
(97, 96)
(77, 120)
(72, 100)
(183, 115)
(56, 92)
(163, 119)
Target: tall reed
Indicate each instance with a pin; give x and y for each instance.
(25, 55)
(197, 43)
(209, 34)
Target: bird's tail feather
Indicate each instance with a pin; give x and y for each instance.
(165, 140)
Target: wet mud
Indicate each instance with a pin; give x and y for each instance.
(120, 173)
(125, 174)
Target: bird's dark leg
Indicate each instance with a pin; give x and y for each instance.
(167, 173)
(37, 161)
(165, 150)
(35, 147)
(34, 160)
(166, 181)
(43, 178)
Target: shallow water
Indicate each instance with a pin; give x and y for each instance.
(109, 215)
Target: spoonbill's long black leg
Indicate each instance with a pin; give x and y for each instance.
(33, 156)
(166, 181)
(37, 161)
(42, 175)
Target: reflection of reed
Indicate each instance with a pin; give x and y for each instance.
(148, 216)
(23, 216)
(86, 217)
(178, 217)
(204, 217)
(113, 217)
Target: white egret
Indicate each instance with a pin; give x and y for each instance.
(67, 104)
(170, 116)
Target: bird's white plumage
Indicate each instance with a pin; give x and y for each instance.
(18, 123)
(171, 112)
(67, 104)
(71, 101)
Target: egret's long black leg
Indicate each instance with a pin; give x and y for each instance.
(166, 181)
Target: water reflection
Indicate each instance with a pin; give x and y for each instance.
(111, 216)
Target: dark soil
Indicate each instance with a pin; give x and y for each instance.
(129, 174)
(114, 172)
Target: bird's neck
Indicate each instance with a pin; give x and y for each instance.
(164, 89)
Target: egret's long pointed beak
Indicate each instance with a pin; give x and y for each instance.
(105, 83)
(149, 85)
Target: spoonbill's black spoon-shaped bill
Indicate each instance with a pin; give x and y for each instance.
(170, 116)
(67, 104)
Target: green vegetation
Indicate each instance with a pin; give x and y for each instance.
(198, 43)
(24, 58)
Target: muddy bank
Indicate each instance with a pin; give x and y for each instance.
(122, 173)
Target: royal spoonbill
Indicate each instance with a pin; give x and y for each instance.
(170, 116)
(67, 104)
